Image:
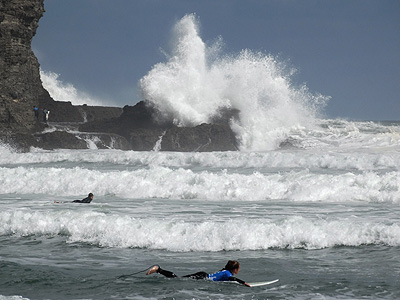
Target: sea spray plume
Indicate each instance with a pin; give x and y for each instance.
(191, 88)
(259, 86)
(181, 89)
(61, 91)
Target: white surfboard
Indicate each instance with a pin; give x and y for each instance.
(254, 284)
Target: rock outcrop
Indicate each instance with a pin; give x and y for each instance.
(80, 127)
(20, 87)
(138, 126)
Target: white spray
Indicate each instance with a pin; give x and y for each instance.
(61, 91)
(197, 82)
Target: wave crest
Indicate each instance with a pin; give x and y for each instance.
(197, 81)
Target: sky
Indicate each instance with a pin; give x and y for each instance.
(347, 50)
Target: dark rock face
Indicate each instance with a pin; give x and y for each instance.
(138, 116)
(99, 113)
(59, 111)
(105, 141)
(202, 138)
(66, 112)
(60, 138)
(21, 87)
(48, 141)
(137, 124)
(130, 128)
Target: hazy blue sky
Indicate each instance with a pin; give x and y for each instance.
(349, 50)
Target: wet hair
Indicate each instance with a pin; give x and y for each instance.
(90, 195)
(231, 265)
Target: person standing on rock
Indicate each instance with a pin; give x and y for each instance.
(36, 111)
(46, 115)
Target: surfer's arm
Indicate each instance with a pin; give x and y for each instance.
(239, 281)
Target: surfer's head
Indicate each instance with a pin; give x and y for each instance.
(232, 266)
(90, 195)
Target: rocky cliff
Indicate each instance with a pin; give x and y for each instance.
(21, 87)
(79, 127)
(137, 126)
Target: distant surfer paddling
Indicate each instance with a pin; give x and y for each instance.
(88, 199)
(226, 274)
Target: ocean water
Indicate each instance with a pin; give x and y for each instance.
(310, 201)
(321, 214)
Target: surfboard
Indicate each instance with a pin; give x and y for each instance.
(254, 284)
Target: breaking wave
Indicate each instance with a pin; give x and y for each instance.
(209, 235)
(198, 81)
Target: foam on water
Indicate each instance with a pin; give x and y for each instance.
(197, 81)
(171, 183)
(343, 161)
(366, 161)
(12, 298)
(176, 234)
(339, 161)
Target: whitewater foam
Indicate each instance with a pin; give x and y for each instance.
(12, 298)
(209, 235)
(198, 81)
(171, 183)
(332, 149)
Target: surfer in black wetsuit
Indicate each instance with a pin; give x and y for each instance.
(226, 274)
(88, 199)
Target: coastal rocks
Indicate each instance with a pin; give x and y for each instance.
(60, 139)
(61, 111)
(81, 127)
(23, 142)
(66, 140)
(99, 113)
(17, 116)
(137, 124)
(104, 141)
(202, 138)
(48, 141)
(20, 87)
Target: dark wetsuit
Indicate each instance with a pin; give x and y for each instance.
(223, 275)
(36, 110)
(86, 200)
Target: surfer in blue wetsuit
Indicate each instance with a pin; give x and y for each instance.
(226, 274)
(88, 199)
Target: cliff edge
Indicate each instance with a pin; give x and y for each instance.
(21, 87)
(78, 127)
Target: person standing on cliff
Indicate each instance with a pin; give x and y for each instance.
(46, 115)
(36, 111)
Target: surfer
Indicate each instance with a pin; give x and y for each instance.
(88, 199)
(226, 274)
